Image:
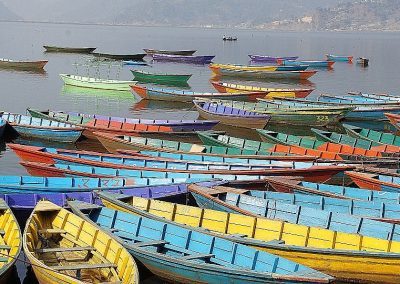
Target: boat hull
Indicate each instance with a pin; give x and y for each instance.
(169, 52)
(23, 65)
(271, 59)
(184, 59)
(84, 50)
(160, 78)
(99, 84)
(60, 135)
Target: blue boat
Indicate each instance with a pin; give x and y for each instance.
(182, 255)
(300, 67)
(227, 200)
(340, 58)
(32, 127)
(310, 63)
(357, 99)
(134, 63)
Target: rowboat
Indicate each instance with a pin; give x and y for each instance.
(64, 248)
(291, 115)
(134, 63)
(191, 256)
(310, 63)
(364, 62)
(355, 99)
(96, 83)
(269, 92)
(52, 48)
(308, 245)
(136, 57)
(260, 74)
(330, 100)
(375, 182)
(338, 138)
(385, 97)
(243, 67)
(230, 115)
(272, 59)
(11, 242)
(339, 58)
(171, 52)
(84, 118)
(199, 59)
(372, 135)
(394, 119)
(129, 144)
(22, 65)
(159, 94)
(143, 76)
(32, 127)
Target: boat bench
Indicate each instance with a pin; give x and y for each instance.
(151, 243)
(79, 267)
(52, 231)
(71, 249)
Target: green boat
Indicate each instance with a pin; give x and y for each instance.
(96, 83)
(372, 135)
(69, 90)
(291, 115)
(169, 79)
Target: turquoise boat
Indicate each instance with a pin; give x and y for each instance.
(183, 255)
(310, 63)
(372, 135)
(340, 58)
(32, 127)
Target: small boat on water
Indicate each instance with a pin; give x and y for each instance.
(32, 127)
(135, 57)
(269, 92)
(52, 48)
(143, 76)
(380, 97)
(310, 63)
(170, 52)
(339, 58)
(229, 38)
(372, 135)
(272, 59)
(364, 62)
(394, 119)
(96, 83)
(375, 181)
(64, 248)
(259, 67)
(134, 63)
(196, 59)
(10, 242)
(22, 65)
(230, 115)
(191, 256)
(159, 94)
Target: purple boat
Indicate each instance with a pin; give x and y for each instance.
(200, 59)
(272, 59)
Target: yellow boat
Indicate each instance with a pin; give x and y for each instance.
(244, 67)
(10, 241)
(347, 257)
(63, 248)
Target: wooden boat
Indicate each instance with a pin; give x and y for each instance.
(96, 83)
(269, 92)
(272, 59)
(129, 144)
(159, 94)
(291, 115)
(243, 67)
(375, 182)
(143, 76)
(355, 99)
(134, 63)
(230, 115)
(64, 248)
(197, 59)
(384, 97)
(32, 127)
(260, 74)
(136, 57)
(364, 62)
(171, 52)
(292, 67)
(229, 38)
(310, 63)
(372, 135)
(394, 119)
(310, 171)
(191, 256)
(10, 242)
(308, 245)
(76, 117)
(339, 58)
(22, 65)
(52, 48)
(338, 138)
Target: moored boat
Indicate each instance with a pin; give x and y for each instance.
(375, 181)
(394, 119)
(173, 52)
(52, 48)
(136, 57)
(272, 59)
(364, 62)
(22, 65)
(340, 58)
(196, 59)
(310, 63)
(96, 83)
(143, 76)
(372, 135)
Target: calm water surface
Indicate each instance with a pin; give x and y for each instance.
(20, 90)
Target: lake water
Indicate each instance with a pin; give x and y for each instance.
(20, 90)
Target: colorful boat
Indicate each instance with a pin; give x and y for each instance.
(358, 99)
(375, 182)
(199, 59)
(136, 57)
(85, 50)
(32, 127)
(394, 119)
(243, 67)
(134, 63)
(364, 62)
(83, 118)
(372, 135)
(151, 93)
(308, 245)
(22, 65)
(272, 59)
(64, 248)
(143, 76)
(96, 83)
(384, 97)
(230, 115)
(171, 52)
(11, 242)
(269, 92)
(310, 63)
(339, 58)
(191, 256)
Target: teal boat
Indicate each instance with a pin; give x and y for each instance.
(173, 79)
(372, 135)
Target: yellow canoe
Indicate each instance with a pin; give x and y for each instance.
(10, 241)
(244, 67)
(63, 248)
(348, 257)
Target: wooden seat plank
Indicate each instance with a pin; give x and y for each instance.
(52, 231)
(83, 266)
(60, 249)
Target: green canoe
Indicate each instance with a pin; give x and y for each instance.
(372, 135)
(96, 83)
(290, 140)
(170, 79)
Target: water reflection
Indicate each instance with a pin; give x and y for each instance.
(69, 90)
